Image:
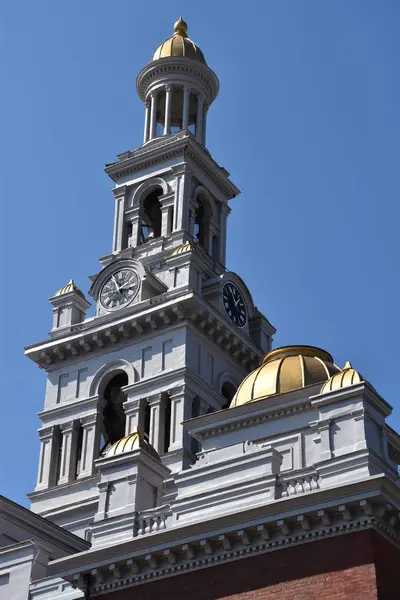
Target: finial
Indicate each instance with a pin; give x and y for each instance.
(347, 365)
(180, 27)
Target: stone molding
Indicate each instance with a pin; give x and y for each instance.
(228, 544)
(165, 312)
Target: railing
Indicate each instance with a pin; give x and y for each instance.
(293, 484)
(151, 520)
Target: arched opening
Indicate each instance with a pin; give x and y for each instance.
(113, 425)
(201, 225)
(228, 390)
(150, 216)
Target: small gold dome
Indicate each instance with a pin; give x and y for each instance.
(348, 376)
(133, 441)
(286, 369)
(179, 45)
(70, 287)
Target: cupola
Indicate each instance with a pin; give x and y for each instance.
(284, 370)
(346, 377)
(177, 88)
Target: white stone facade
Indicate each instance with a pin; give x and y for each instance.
(221, 483)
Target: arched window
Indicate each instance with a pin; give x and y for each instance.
(228, 390)
(150, 215)
(113, 426)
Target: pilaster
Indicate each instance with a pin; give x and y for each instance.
(157, 421)
(69, 432)
(46, 474)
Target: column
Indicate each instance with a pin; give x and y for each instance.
(205, 109)
(46, 460)
(90, 444)
(181, 409)
(119, 195)
(157, 421)
(199, 118)
(167, 208)
(153, 115)
(133, 217)
(168, 105)
(185, 114)
(69, 432)
(146, 122)
(135, 411)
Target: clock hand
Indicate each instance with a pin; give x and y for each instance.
(115, 282)
(128, 282)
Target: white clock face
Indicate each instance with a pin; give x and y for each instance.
(119, 289)
(234, 304)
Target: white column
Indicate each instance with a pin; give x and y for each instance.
(135, 410)
(69, 433)
(185, 114)
(157, 421)
(153, 115)
(46, 459)
(119, 195)
(199, 118)
(205, 109)
(168, 106)
(181, 409)
(134, 217)
(90, 444)
(167, 206)
(146, 122)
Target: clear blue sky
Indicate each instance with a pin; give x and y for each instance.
(307, 123)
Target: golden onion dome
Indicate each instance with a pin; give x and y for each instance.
(70, 287)
(284, 370)
(348, 376)
(133, 441)
(179, 45)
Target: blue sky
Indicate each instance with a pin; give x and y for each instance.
(307, 123)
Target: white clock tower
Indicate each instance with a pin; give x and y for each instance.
(174, 332)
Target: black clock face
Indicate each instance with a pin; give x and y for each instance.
(119, 289)
(234, 305)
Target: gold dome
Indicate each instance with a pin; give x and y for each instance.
(286, 369)
(70, 287)
(133, 441)
(179, 45)
(348, 376)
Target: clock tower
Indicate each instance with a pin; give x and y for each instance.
(174, 332)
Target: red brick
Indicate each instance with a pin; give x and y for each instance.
(357, 566)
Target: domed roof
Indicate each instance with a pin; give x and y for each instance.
(179, 45)
(133, 441)
(348, 376)
(70, 287)
(286, 369)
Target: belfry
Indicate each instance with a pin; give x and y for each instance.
(180, 455)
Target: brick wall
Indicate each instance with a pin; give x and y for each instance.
(340, 568)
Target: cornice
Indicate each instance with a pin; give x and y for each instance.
(165, 148)
(248, 415)
(290, 521)
(168, 67)
(41, 528)
(364, 389)
(159, 312)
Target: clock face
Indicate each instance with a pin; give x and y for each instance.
(119, 289)
(234, 304)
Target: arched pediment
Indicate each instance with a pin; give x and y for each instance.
(145, 188)
(106, 372)
(202, 191)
